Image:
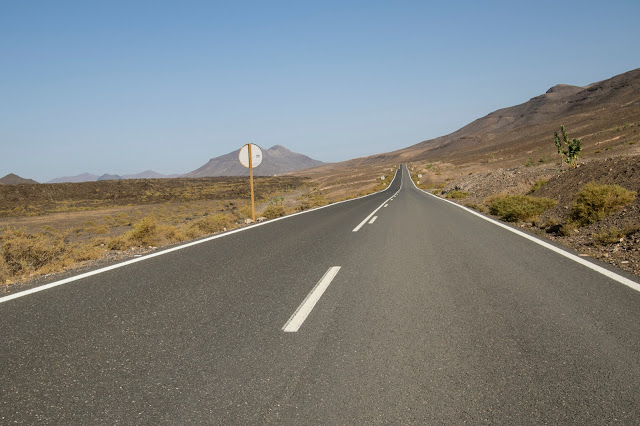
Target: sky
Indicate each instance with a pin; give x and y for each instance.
(126, 86)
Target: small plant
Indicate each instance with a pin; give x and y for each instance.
(516, 208)
(273, 211)
(478, 207)
(456, 194)
(529, 163)
(537, 185)
(545, 159)
(598, 201)
(570, 154)
(612, 236)
(213, 223)
(144, 232)
(4, 270)
(277, 201)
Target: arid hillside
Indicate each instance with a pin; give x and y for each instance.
(605, 116)
(506, 164)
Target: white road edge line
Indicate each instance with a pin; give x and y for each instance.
(616, 277)
(373, 219)
(180, 247)
(384, 204)
(307, 305)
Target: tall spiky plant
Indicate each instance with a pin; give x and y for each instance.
(570, 154)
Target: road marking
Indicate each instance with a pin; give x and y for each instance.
(616, 277)
(366, 219)
(373, 219)
(180, 247)
(305, 308)
(385, 204)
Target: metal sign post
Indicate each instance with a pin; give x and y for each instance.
(253, 204)
(250, 156)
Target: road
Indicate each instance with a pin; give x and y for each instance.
(435, 316)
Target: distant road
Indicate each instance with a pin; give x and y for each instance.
(378, 310)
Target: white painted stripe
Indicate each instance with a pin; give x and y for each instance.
(160, 253)
(307, 305)
(373, 219)
(357, 228)
(616, 277)
(366, 219)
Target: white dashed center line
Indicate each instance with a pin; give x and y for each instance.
(310, 301)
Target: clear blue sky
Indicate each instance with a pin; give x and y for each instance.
(125, 86)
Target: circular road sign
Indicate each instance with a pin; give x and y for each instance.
(256, 155)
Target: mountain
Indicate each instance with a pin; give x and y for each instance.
(149, 174)
(88, 177)
(276, 160)
(84, 177)
(107, 176)
(12, 179)
(604, 115)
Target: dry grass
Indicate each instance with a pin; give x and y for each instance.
(614, 235)
(27, 254)
(539, 183)
(455, 194)
(115, 222)
(516, 208)
(598, 201)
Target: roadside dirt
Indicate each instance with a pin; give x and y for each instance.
(563, 186)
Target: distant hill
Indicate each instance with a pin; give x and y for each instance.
(12, 179)
(603, 115)
(276, 160)
(149, 174)
(107, 176)
(88, 177)
(84, 177)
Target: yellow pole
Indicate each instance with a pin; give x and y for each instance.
(253, 207)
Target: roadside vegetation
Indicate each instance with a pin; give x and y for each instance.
(49, 228)
(518, 208)
(595, 202)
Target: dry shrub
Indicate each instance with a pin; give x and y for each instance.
(274, 211)
(537, 185)
(598, 201)
(456, 194)
(27, 253)
(145, 232)
(614, 235)
(245, 211)
(213, 223)
(515, 208)
(315, 200)
(101, 230)
(4, 270)
(46, 252)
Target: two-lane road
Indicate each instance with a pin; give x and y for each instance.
(434, 316)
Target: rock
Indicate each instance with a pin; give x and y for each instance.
(248, 221)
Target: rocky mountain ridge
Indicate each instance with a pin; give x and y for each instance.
(277, 160)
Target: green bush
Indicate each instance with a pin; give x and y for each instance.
(598, 201)
(515, 208)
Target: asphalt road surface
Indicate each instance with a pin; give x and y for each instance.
(426, 314)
